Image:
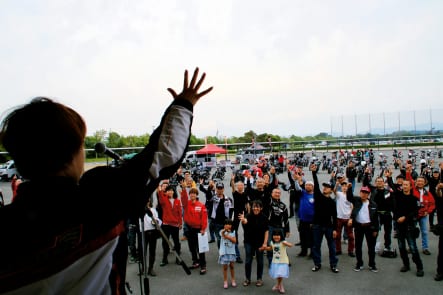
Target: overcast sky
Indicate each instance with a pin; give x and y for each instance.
(280, 67)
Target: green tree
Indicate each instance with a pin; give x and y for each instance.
(114, 140)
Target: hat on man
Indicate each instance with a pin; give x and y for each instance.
(365, 189)
(327, 184)
(220, 185)
(340, 175)
(309, 182)
(436, 170)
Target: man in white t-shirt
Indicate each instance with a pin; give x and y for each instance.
(344, 210)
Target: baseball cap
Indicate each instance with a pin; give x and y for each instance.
(327, 184)
(436, 170)
(365, 189)
(220, 185)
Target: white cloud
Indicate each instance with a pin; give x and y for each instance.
(281, 68)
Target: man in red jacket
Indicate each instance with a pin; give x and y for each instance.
(196, 218)
(427, 206)
(172, 221)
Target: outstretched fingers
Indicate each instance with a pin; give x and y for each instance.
(194, 77)
(190, 90)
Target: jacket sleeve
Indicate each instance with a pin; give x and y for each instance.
(317, 191)
(159, 160)
(184, 198)
(167, 146)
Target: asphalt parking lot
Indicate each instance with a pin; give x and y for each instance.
(171, 279)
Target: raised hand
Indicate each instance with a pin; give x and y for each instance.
(190, 91)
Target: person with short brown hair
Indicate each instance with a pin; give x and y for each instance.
(74, 221)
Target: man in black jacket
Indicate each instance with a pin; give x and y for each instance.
(364, 218)
(382, 197)
(324, 222)
(405, 211)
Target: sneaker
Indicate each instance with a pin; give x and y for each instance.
(152, 273)
(259, 283)
(211, 241)
(373, 269)
(404, 268)
(334, 269)
(351, 254)
(246, 283)
(420, 273)
(358, 268)
(132, 259)
(438, 277)
(426, 252)
(316, 268)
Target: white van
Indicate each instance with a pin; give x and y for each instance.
(7, 170)
(206, 160)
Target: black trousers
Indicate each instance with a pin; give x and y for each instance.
(305, 235)
(361, 232)
(170, 231)
(193, 247)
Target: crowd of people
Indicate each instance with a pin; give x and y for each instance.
(400, 208)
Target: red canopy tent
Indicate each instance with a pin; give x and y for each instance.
(211, 149)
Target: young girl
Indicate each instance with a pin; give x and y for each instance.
(227, 252)
(280, 262)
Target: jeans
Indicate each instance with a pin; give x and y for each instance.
(423, 222)
(249, 252)
(407, 236)
(318, 232)
(211, 229)
(217, 229)
(362, 232)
